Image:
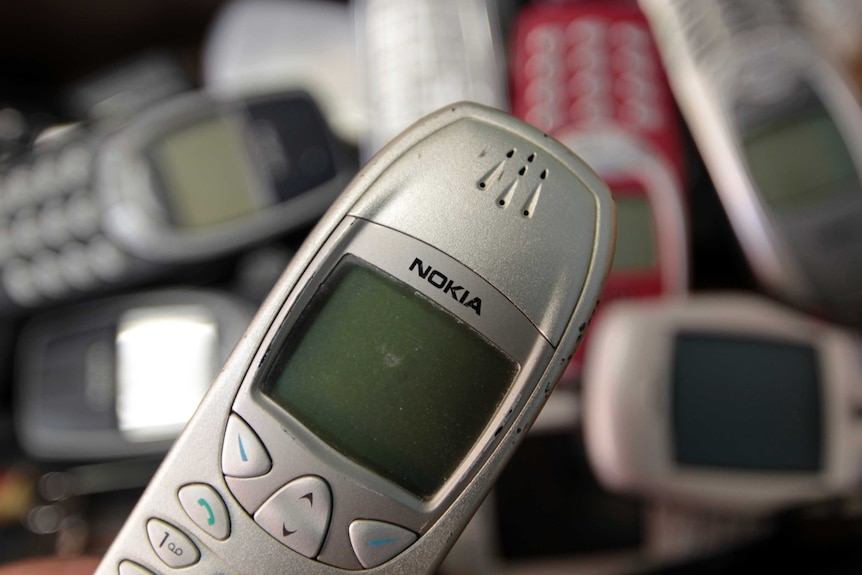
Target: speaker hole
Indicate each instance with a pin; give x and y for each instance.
(531, 157)
(522, 171)
(544, 174)
(510, 153)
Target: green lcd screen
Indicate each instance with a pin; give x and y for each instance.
(205, 172)
(635, 247)
(388, 378)
(799, 159)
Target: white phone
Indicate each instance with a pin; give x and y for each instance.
(728, 402)
(395, 366)
(779, 127)
(415, 57)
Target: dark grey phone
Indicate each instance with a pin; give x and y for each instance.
(184, 182)
(121, 377)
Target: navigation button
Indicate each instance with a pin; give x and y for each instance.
(243, 454)
(298, 514)
(206, 508)
(172, 545)
(376, 542)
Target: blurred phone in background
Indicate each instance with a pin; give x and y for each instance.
(837, 26)
(779, 127)
(119, 377)
(123, 90)
(589, 74)
(185, 182)
(416, 57)
(262, 46)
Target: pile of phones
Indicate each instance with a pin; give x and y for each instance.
(139, 232)
(702, 416)
(137, 246)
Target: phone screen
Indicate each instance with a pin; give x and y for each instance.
(205, 174)
(388, 378)
(801, 158)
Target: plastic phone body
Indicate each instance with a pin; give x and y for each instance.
(589, 73)
(415, 57)
(184, 182)
(726, 402)
(780, 131)
(471, 223)
(120, 377)
(261, 46)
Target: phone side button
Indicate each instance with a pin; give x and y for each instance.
(130, 568)
(206, 508)
(172, 546)
(376, 542)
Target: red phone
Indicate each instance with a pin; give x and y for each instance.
(589, 74)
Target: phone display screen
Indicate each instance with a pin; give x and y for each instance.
(746, 404)
(185, 339)
(635, 247)
(801, 157)
(205, 173)
(388, 378)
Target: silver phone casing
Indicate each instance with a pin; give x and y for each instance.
(449, 209)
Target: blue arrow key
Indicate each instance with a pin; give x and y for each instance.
(376, 542)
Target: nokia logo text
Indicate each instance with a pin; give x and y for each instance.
(440, 281)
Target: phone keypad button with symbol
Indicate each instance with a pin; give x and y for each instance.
(172, 545)
(298, 514)
(243, 454)
(376, 542)
(206, 508)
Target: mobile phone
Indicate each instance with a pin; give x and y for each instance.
(395, 366)
(415, 57)
(259, 46)
(120, 377)
(727, 402)
(99, 207)
(780, 130)
(589, 73)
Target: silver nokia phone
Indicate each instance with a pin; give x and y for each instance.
(400, 359)
(780, 130)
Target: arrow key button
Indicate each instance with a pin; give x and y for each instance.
(376, 542)
(243, 454)
(297, 515)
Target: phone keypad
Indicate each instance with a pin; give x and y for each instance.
(301, 513)
(595, 65)
(589, 71)
(51, 241)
